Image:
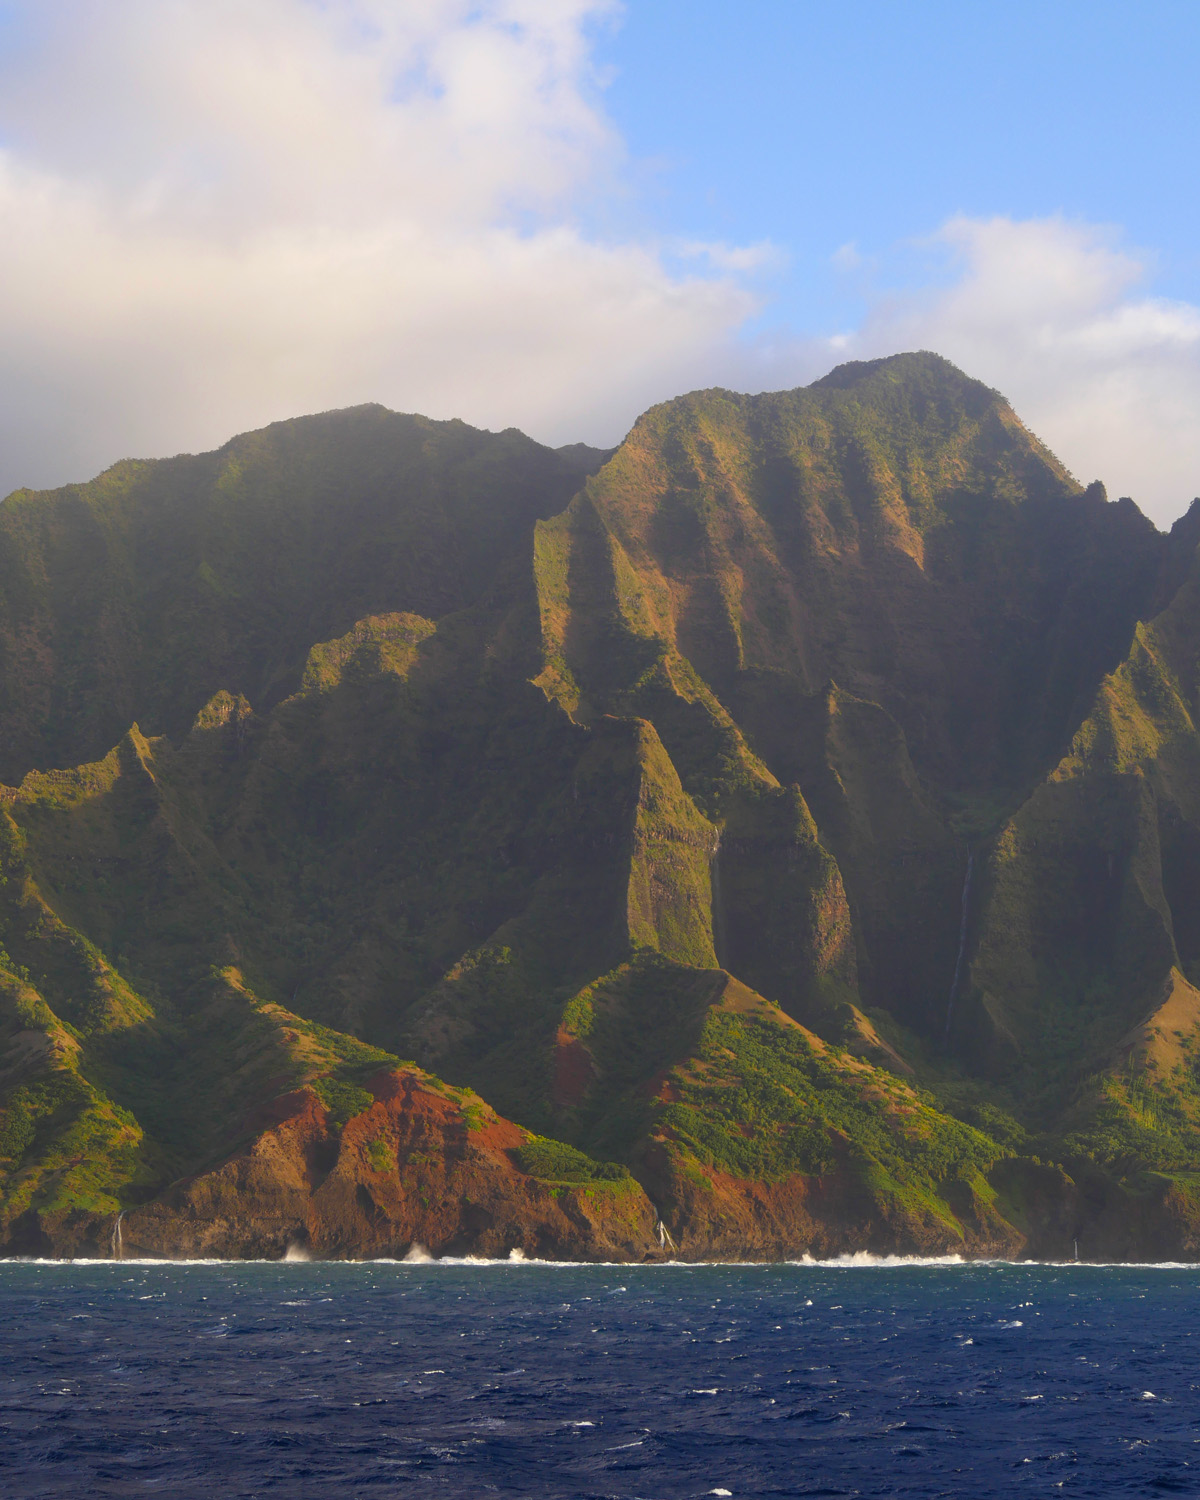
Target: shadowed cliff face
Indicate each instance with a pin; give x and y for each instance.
(138, 596)
(637, 798)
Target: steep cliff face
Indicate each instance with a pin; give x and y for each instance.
(880, 589)
(895, 529)
(756, 1138)
(422, 1168)
(141, 594)
(1086, 950)
(790, 825)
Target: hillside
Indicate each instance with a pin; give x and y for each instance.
(781, 834)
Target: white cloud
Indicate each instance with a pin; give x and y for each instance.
(1053, 314)
(763, 256)
(216, 214)
(847, 257)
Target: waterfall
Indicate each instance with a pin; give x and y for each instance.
(665, 1242)
(960, 962)
(720, 945)
(116, 1243)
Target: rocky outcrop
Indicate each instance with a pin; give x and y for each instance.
(419, 1170)
(716, 1216)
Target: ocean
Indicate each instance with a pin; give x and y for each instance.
(857, 1378)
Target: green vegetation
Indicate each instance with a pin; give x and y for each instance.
(342, 1100)
(381, 1156)
(554, 1161)
(64, 1146)
(763, 1101)
(1140, 1121)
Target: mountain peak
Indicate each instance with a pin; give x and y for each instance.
(914, 365)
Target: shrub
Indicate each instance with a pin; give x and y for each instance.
(555, 1161)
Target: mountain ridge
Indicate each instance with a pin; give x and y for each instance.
(796, 809)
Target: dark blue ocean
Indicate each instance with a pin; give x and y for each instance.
(452, 1379)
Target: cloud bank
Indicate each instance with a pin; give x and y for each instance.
(1052, 314)
(218, 214)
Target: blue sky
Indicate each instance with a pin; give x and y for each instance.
(819, 125)
(552, 213)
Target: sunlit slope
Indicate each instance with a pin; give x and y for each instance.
(893, 528)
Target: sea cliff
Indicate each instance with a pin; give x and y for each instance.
(781, 833)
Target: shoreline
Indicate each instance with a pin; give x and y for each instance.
(858, 1261)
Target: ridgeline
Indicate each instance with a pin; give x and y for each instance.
(782, 834)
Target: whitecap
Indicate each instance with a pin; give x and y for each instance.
(854, 1259)
(851, 1261)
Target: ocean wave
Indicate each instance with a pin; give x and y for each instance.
(419, 1256)
(857, 1259)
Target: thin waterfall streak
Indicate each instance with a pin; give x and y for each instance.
(664, 1234)
(961, 961)
(718, 906)
(117, 1244)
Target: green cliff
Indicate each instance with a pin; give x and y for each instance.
(782, 834)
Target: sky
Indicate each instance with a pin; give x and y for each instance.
(552, 213)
